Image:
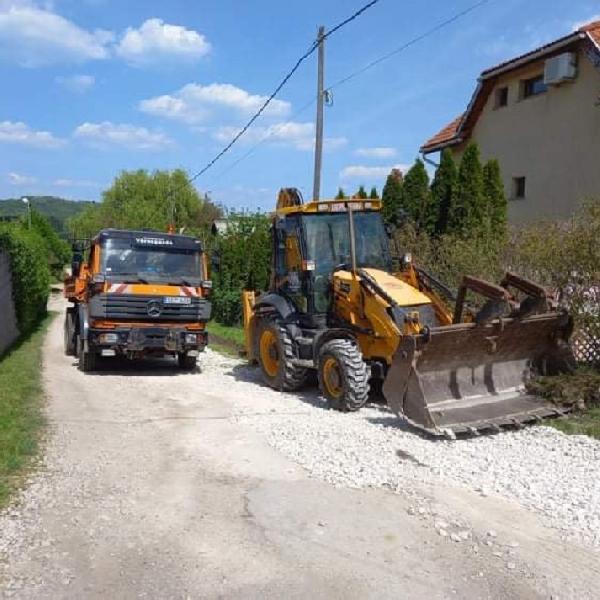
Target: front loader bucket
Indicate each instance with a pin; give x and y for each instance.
(468, 378)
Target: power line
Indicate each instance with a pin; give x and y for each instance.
(271, 97)
(408, 44)
(289, 75)
(356, 73)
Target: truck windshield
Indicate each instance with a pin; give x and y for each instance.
(328, 241)
(122, 259)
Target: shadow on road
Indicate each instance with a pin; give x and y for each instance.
(149, 367)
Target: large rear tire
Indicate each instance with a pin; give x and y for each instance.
(88, 361)
(275, 354)
(343, 375)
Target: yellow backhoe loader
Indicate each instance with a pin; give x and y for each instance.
(337, 304)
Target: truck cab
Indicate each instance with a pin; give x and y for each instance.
(137, 294)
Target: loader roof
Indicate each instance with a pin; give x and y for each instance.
(329, 206)
(151, 238)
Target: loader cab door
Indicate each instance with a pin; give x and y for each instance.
(289, 265)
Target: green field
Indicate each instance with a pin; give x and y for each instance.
(21, 418)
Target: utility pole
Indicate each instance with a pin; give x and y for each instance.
(319, 124)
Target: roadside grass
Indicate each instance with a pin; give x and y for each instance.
(226, 339)
(21, 419)
(585, 423)
(582, 388)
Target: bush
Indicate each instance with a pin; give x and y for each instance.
(30, 274)
(562, 256)
(245, 260)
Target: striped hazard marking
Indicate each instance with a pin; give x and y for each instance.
(126, 288)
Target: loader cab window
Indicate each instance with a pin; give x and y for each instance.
(328, 248)
(328, 241)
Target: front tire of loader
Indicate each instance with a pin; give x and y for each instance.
(343, 375)
(275, 354)
(88, 361)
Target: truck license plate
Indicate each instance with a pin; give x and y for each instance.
(177, 300)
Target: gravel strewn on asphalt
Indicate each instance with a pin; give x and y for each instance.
(544, 470)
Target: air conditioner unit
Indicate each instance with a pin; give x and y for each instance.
(561, 68)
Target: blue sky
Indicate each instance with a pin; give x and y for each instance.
(92, 87)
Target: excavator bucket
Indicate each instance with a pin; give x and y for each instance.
(470, 378)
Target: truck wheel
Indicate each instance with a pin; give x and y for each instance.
(88, 361)
(69, 335)
(274, 351)
(187, 363)
(343, 375)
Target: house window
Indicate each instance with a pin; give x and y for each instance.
(518, 188)
(533, 86)
(501, 97)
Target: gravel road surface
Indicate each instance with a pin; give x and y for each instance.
(158, 484)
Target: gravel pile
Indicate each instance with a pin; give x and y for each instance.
(546, 471)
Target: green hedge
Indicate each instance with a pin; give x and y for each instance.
(245, 257)
(30, 274)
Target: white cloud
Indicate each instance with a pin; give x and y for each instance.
(19, 179)
(32, 37)
(68, 183)
(193, 102)
(369, 173)
(299, 135)
(128, 136)
(587, 21)
(156, 41)
(377, 152)
(77, 83)
(17, 132)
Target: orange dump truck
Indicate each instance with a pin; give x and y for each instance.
(137, 294)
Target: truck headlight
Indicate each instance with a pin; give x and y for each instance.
(191, 338)
(108, 338)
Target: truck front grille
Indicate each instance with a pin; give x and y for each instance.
(147, 308)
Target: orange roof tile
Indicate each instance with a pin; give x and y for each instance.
(593, 29)
(447, 134)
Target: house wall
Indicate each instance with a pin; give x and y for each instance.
(552, 139)
(8, 320)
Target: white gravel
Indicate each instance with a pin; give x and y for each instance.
(544, 470)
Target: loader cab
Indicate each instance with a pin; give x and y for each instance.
(313, 241)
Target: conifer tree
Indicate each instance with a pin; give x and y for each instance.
(374, 195)
(340, 195)
(391, 197)
(362, 193)
(496, 200)
(415, 195)
(468, 211)
(443, 190)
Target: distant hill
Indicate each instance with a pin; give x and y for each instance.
(57, 210)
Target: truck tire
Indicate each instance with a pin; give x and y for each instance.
(343, 375)
(275, 354)
(88, 361)
(186, 363)
(70, 339)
